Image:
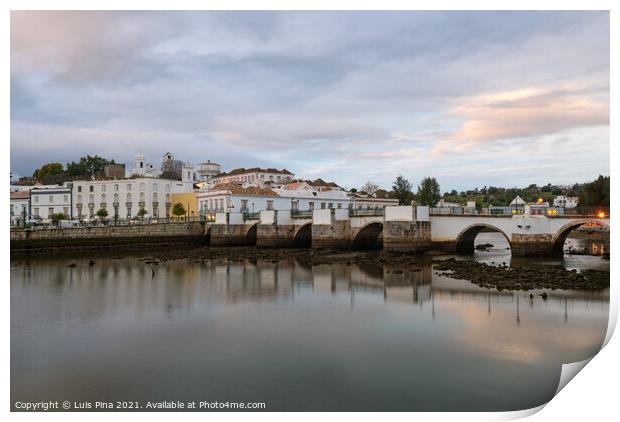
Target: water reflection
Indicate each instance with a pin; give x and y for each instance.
(324, 337)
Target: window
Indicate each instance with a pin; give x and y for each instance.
(167, 188)
(322, 205)
(339, 205)
(79, 188)
(65, 210)
(12, 211)
(141, 164)
(66, 198)
(103, 198)
(50, 211)
(295, 205)
(128, 197)
(222, 204)
(271, 178)
(116, 187)
(91, 198)
(154, 187)
(244, 205)
(116, 198)
(36, 199)
(311, 205)
(142, 186)
(330, 205)
(91, 188)
(128, 187)
(270, 205)
(154, 196)
(141, 196)
(36, 212)
(102, 188)
(51, 199)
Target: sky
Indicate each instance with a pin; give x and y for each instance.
(471, 98)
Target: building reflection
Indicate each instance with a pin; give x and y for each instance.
(180, 287)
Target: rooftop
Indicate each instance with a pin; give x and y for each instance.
(236, 189)
(242, 170)
(20, 194)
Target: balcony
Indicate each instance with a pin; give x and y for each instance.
(128, 205)
(142, 204)
(103, 205)
(91, 205)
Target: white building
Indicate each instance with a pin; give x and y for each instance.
(236, 198)
(123, 198)
(48, 201)
(565, 201)
(19, 206)
(256, 176)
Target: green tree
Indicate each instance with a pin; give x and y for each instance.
(57, 217)
(596, 193)
(102, 213)
(87, 165)
(402, 190)
(142, 212)
(45, 169)
(178, 209)
(428, 191)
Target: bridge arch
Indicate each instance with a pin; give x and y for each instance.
(464, 242)
(250, 235)
(557, 242)
(303, 236)
(369, 236)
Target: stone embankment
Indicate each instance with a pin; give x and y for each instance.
(104, 237)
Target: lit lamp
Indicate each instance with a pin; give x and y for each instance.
(601, 214)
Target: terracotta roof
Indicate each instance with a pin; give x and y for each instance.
(236, 189)
(20, 195)
(253, 170)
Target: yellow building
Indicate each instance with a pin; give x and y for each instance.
(189, 201)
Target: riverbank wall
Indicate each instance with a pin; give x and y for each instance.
(108, 236)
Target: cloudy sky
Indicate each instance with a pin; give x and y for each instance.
(472, 98)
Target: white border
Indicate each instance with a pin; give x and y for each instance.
(592, 394)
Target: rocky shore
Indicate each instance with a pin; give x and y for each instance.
(486, 276)
(522, 278)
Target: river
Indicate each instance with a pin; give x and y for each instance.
(296, 337)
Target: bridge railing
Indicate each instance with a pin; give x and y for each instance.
(592, 212)
(251, 216)
(367, 212)
(581, 211)
(301, 213)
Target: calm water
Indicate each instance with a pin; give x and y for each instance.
(328, 337)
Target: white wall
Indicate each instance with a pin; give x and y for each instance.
(423, 213)
(123, 191)
(322, 217)
(399, 213)
(45, 202)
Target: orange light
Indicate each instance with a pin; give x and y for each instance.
(601, 214)
(540, 200)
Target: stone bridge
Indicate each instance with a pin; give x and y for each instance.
(398, 228)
